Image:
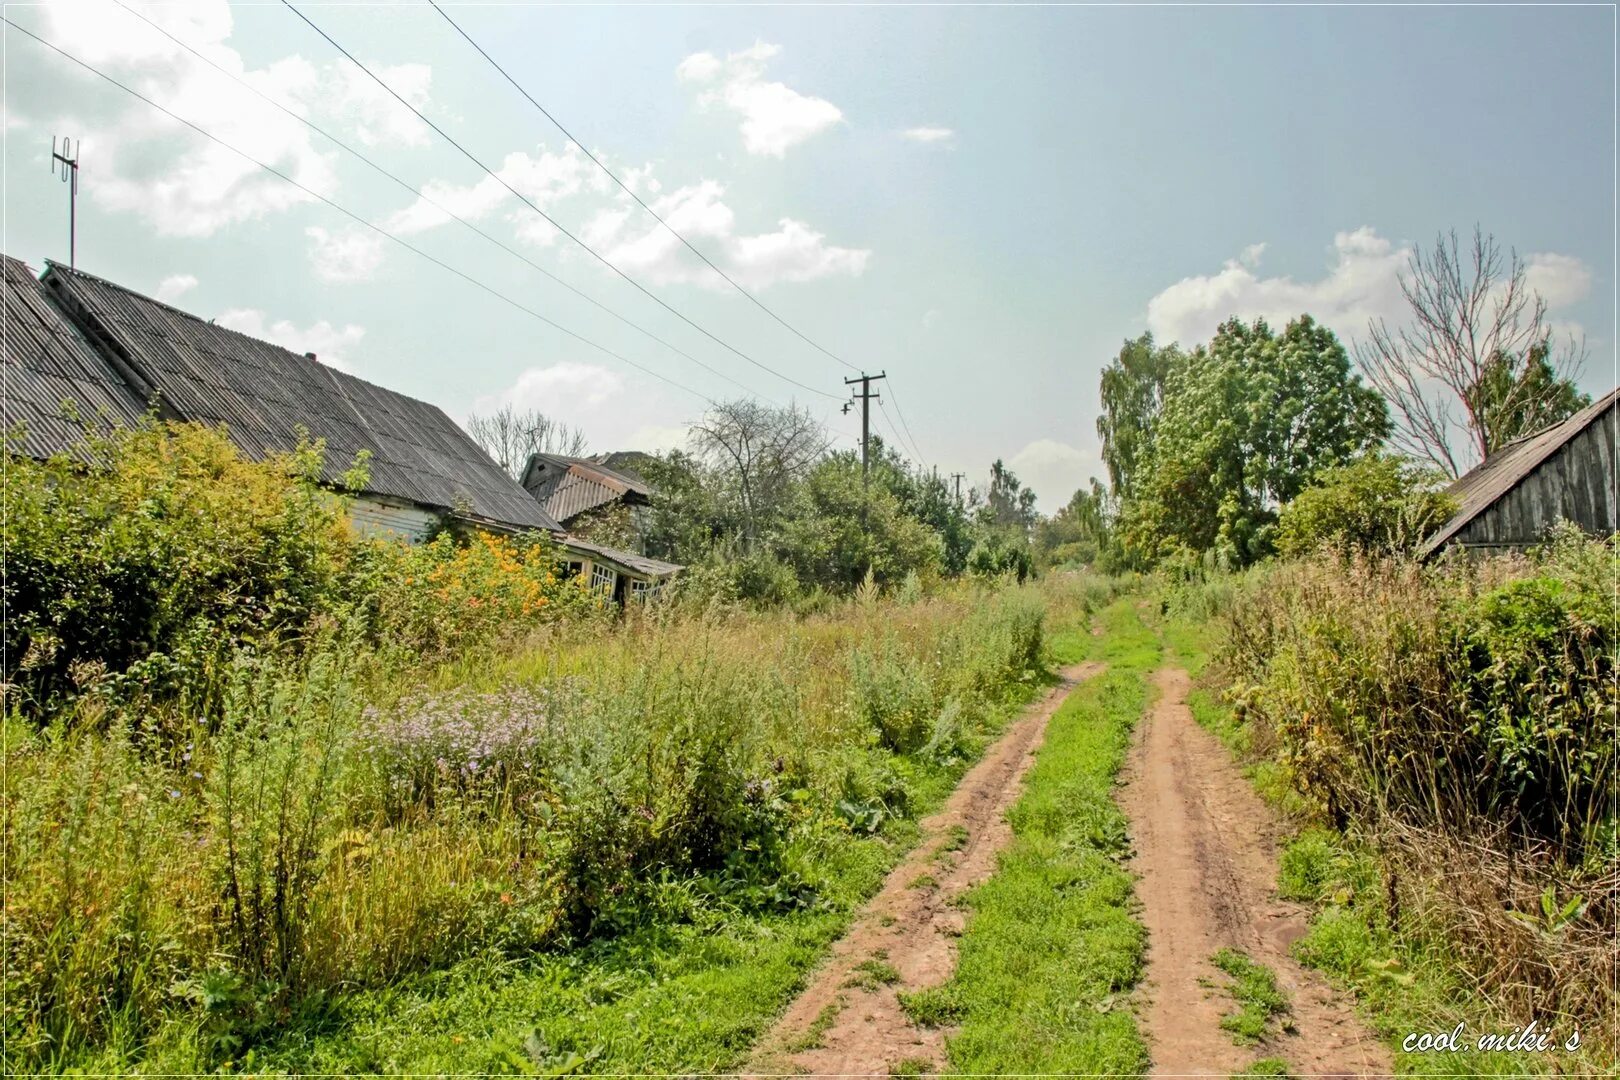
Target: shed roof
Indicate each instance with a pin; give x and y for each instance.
(573, 485)
(47, 364)
(641, 564)
(264, 394)
(1487, 482)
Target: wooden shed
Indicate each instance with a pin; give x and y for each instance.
(1563, 473)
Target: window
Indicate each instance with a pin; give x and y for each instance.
(640, 590)
(602, 578)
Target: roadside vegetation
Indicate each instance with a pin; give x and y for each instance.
(279, 797)
(1442, 738)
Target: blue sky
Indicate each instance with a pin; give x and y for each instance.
(982, 201)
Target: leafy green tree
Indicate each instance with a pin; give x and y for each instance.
(1008, 503)
(1079, 532)
(1246, 423)
(840, 529)
(1132, 394)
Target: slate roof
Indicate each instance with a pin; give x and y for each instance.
(46, 363)
(1480, 487)
(264, 393)
(574, 485)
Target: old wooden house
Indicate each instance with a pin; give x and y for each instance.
(600, 497)
(114, 355)
(1563, 473)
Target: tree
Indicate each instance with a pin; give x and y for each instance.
(1132, 394)
(840, 529)
(1079, 531)
(1246, 423)
(512, 437)
(1478, 341)
(758, 453)
(1008, 502)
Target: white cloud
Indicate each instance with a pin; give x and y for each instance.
(351, 254)
(929, 134)
(793, 252)
(375, 118)
(544, 178)
(930, 317)
(1362, 282)
(1054, 470)
(562, 390)
(1559, 279)
(141, 162)
(175, 286)
(774, 117)
(330, 344)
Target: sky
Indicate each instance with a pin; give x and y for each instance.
(981, 202)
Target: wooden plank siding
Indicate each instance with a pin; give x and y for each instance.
(1576, 483)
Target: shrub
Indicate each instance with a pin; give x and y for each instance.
(1379, 504)
(145, 569)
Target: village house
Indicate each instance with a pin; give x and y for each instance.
(1565, 472)
(115, 355)
(601, 497)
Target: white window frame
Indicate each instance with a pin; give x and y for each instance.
(603, 578)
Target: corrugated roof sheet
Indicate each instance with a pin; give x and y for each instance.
(51, 373)
(264, 393)
(1498, 474)
(573, 485)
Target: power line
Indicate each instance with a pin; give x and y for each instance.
(433, 202)
(470, 156)
(356, 217)
(584, 149)
(627, 190)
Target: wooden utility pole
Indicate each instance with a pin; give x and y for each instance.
(70, 176)
(865, 397)
(958, 478)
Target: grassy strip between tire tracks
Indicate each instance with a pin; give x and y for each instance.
(1052, 949)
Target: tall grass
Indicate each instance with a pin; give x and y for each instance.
(339, 823)
(1460, 720)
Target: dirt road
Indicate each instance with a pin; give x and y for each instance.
(849, 1019)
(1206, 854)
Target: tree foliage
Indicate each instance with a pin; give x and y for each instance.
(1244, 424)
(1132, 394)
(1379, 503)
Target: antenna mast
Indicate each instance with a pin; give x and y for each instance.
(68, 158)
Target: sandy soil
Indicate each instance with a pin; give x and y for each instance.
(848, 1022)
(1206, 853)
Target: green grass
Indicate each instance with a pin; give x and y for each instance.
(912, 1067)
(874, 972)
(1254, 990)
(1262, 1067)
(1051, 949)
(934, 1007)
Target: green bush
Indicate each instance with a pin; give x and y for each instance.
(1379, 504)
(1441, 697)
(145, 570)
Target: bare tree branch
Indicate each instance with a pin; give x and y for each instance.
(512, 437)
(1475, 367)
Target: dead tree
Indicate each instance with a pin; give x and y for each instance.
(1475, 367)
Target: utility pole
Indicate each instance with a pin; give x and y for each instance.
(865, 397)
(70, 176)
(958, 478)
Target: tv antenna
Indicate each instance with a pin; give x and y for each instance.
(68, 158)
